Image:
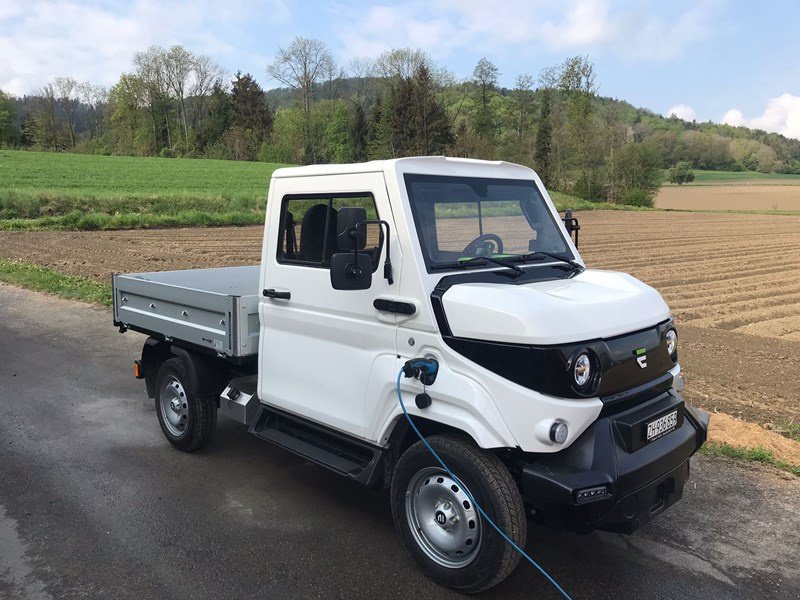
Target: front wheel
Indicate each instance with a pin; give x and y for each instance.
(439, 526)
(187, 418)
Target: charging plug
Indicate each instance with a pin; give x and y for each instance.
(425, 369)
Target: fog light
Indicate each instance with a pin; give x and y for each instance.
(559, 432)
(679, 382)
(592, 494)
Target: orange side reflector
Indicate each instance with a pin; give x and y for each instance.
(137, 370)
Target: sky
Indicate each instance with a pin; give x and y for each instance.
(732, 61)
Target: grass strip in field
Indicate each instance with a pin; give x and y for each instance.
(77, 221)
(42, 279)
(757, 454)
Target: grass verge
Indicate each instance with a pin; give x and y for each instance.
(42, 279)
(758, 454)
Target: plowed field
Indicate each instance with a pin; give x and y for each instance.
(732, 281)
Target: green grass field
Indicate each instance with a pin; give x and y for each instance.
(702, 177)
(45, 190)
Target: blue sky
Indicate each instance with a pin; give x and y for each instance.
(709, 59)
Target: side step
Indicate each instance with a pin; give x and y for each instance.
(335, 451)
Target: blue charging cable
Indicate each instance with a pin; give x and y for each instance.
(471, 499)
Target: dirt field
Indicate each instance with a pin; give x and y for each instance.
(730, 197)
(733, 282)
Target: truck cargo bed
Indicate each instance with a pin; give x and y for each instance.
(212, 308)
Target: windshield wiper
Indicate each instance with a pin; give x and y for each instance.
(517, 271)
(559, 257)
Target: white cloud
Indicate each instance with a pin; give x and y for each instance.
(95, 41)
(682, 111)
(781, 115)
(442, 27)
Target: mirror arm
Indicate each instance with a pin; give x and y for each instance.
(387, 265)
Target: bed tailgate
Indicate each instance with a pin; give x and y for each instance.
(211, 308)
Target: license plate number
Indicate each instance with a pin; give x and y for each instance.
(662, 426)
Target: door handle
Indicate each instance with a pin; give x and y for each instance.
(276, 295)
(394, 306)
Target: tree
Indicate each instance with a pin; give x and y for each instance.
(542, 151)
(249, 106)
(302, 66)
(358, 133)
(681, 173)
(638, 174)
(7, 120)
(46, 127)
(431, 132)
(150, 70)
(68, 90)
(95, 97)
(178, 64)
(485, 77)
(401, 63)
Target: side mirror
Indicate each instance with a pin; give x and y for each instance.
(571, 224)
(351, 270)
(348, 236)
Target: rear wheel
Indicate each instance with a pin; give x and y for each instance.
(187, 418)
(439, 525)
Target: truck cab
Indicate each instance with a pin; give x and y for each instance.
(550, 390)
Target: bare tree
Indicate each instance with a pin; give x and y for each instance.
(206, 73)
(67, 89)
(362, 72)
(178, 64)
(95, 97)
(302, 66)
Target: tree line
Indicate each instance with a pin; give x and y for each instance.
(177, 103)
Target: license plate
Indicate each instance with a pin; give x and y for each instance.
(662, 426)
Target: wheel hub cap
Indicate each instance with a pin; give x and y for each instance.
(174, 406)
(443, 521)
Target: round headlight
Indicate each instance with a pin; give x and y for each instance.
(583, 370)
(672, 342)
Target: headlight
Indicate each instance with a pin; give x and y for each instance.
(672, 342)
(583, 370)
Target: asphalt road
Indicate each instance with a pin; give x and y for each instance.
(95, 503)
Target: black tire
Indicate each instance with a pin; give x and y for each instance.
(195, 426)
(489, 483)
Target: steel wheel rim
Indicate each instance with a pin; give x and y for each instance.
(174, 406)
(443, 521)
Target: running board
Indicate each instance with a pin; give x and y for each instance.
(333, 450)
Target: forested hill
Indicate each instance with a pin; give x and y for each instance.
(176, 103)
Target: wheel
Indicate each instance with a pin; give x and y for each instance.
(188, 419)
(442, 529)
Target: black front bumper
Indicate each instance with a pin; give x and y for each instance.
(610, 478)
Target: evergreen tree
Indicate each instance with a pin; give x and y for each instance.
(249, 107)
(358, 134)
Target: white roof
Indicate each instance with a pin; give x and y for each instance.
(440, 165)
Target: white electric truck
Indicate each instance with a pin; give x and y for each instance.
(550, 390)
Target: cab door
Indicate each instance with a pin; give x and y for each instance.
(320, 348)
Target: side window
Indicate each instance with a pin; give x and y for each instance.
(308, 228)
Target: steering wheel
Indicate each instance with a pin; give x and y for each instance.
(484, 242)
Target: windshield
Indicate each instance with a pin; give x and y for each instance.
(459, 219)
